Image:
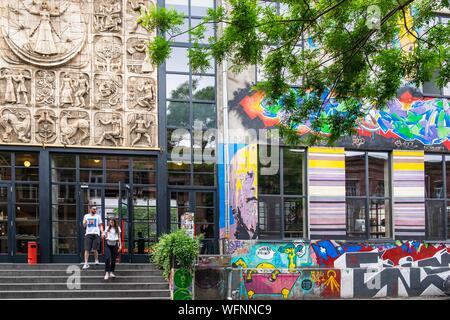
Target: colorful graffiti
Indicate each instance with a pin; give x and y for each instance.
(332, 254)
(304, 284)
(273, 256)
(243, 192)
(332, 269)
(408, 117)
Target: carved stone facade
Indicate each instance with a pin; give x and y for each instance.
(75, 73)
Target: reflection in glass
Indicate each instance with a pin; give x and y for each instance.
(293, 218)
(434, 184)
(355, 183)
(293, 171)
(379, 218)
(356, 213)
(203, 88)
(378, 174)
(177, 87)
(269, 217)
(178, 114)
(178, 60)
(435, 219)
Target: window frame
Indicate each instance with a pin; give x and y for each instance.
(445, 200)
(282, 197)
(367, 198)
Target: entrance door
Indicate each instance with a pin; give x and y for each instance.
(202, 204)
(6, 224)
(137, 208)
(90, 196)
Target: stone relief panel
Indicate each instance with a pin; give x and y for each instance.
(141, 93)
(44, 33)
(108, 54)
(108, 129)
(45, 88)
(74, 127)
(108, 15)
(108, 92)
(45, 125)
(15, 125)
(76, 73)
(74, 90)
(137, 59)
(136, 8)
(141, 130)
(15, 87)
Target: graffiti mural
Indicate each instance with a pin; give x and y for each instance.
(243, 192)
(409, 117)
(332, 254)
(271, 256)
(318, 283)
(334, 269)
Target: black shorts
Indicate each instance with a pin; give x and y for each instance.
(91, 242)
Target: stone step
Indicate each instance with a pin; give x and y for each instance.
(60, 266)
(88, 272)
(85, 294)
(105, 285)
(84, 279)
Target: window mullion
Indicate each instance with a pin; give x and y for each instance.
(366, 177)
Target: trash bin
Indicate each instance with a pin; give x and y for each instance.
(32, 252)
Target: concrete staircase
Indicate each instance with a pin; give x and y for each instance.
(54, 282)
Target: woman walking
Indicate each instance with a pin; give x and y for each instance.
(112, 246)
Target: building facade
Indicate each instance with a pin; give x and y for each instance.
(87, 121)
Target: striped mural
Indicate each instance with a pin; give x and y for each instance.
(409, 194)
(326, 190)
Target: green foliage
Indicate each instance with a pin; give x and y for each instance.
(176, 247)
(349, 59)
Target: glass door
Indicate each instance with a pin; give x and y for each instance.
(90, 196)
(6, 224)
(202, 204)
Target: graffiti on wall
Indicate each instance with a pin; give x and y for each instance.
(243, 211)
(323, 283)
(333, 254)
(333, 269)
(272, 257)
(409, 117)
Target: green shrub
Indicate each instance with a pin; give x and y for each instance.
(176, 247)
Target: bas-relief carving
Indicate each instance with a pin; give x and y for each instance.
(108, 92)
(75, 88)
(107, 15)
(108, 129)
(45, 126)
(74, 126)
(15, 86)
(137, 59)
(44, 33)
(135, 8)
(141, 130)
(45, 87)
(15, 125)
(141, 93)
(52, 79)
(108, 54)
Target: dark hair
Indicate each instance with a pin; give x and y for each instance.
(115, 225)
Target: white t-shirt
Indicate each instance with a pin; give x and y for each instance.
(111, 234)
(93, 223)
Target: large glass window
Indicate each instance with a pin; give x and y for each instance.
(367, 179)
(282, 197)
(437, 195)
(191, 102)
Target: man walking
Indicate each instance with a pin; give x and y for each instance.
(94, 225)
